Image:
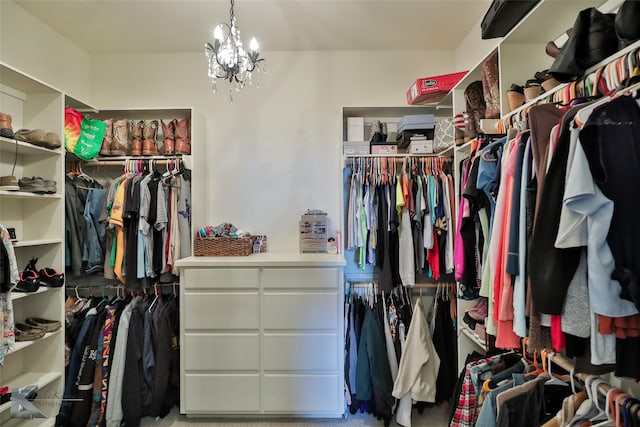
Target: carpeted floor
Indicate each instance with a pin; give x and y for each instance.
(431, 417)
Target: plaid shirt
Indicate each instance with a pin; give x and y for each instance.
(467, 409)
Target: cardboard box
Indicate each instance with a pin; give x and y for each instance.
(354, 148)
(355, 128)
(421, 147)
(430, 90)
(384, 149)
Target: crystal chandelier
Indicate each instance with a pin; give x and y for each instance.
(228, 59)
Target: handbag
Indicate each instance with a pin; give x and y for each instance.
(593, 39)
(90, 136)
(627, 22)
(443, 135)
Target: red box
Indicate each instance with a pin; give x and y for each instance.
(429, 90)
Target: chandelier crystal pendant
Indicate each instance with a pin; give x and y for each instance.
(229, 60)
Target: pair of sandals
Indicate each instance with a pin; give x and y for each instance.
(35, 328)
(31, 279)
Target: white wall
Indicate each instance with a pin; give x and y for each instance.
(31, 46)
(274, 152)
(473, 49)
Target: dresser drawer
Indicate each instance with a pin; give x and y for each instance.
(300, 311)
(223, 311)
(203, 278)
(301, 393)
(209, 393)
(220, 352)
(300, 352)
(300, 278)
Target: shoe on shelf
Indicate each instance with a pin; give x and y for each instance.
(5, 126)
(29, 278)
(105, 148)
(9, 183)
(120, 143)
(135, 131)
(169, 141)
(29, 282)
(39, 137)
(51, 278)
(35, 184)
(47, 325)
(515, 95)
(26, 332)
(183, 137)
(149, 132)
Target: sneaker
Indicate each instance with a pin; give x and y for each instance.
(26, 332)
(29, 278)
(36, 184)
(51, 278)
(47, 325)
(39, 137)
(9, 183)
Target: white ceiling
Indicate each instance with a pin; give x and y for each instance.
(157, 26)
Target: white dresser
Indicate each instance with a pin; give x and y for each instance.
(262, 335)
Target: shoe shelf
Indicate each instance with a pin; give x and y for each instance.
(25, 195)
(475, 338)
(37, 242)
(21, 345)
(20, 295)
(40, 379)
(8, 147)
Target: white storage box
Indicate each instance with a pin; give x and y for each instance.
(421, 147)
(355, 128)
(354, 148)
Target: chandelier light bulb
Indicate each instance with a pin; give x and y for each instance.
(228, 59)
(217, 33)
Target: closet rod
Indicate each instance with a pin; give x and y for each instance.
(396, 156)
(417, 285)
(569, 366)
(156, 161)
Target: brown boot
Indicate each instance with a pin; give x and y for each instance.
(120, 140)
(183, 139)
(136, 138)
(149, 132)
(105, 150)
(169, 143)
(5, 126)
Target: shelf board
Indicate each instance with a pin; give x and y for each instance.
(40, 379)
(25, 195)
(36, 242)
(19, 81)
(397, 111)
(8, 146)
(632, 47)
(399, 155)
(465, 148)
(448, 152)
(20, 295)
(473, 337)
(25, 344)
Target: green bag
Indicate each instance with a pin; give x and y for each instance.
(90, 140)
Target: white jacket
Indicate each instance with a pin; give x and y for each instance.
(419, 363)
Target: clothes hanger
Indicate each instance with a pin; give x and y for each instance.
(554, 380)
(600, 416)
(609, 421)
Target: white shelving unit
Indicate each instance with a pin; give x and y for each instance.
(39, 223)
(521, 53)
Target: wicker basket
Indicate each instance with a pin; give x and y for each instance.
(222, 246)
